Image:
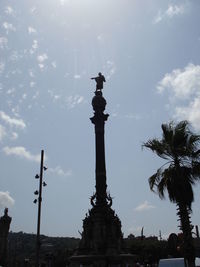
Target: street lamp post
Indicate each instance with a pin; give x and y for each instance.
(39, 200)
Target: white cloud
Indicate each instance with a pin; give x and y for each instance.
(133, 116)
(2, 67)
(12, 121)
(8, 27)
(15, 56)
(14, 136)
(59, 171)
(2, 132)
(6, 200)
(63, 2)
(11, 91)
(100, 37)
(183, 83)
(36, 95)
(34, 47)
(31, 30)
(158, 17)
(41, 58)
(183, 86)
(21, 152)
(172, 10)
(190, 112)
(33, 9)
(109, 68)
(144, 206)
(41, 66)
(32, 84)
(24, 96)
(31, 73)
(3, 42)
(9, 10)
(53, 63)
(15, 110)
(77, 76)
(72, 101)
(56, 97)
(114, 114)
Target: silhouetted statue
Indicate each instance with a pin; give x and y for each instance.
(100, 79)
(4, 229)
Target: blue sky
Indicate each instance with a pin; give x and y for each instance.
(149, 54)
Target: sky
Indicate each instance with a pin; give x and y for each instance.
(149, 53)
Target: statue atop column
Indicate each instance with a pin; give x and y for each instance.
(4, 229)
(100, 79)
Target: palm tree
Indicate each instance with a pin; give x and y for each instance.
(179, 146)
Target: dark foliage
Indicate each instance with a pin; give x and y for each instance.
(179, 146)
(21, 249)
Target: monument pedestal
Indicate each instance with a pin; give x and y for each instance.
(101, 243)
(120, 260)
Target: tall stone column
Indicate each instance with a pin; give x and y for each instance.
(101, 242)
(99, 118)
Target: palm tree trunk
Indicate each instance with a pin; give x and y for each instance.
(185, 226)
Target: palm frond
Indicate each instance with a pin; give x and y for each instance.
(180, 147)
(195, 171)
(196, 154)
(167, 132)
(153, 180)
(161, 188)
(156, 146)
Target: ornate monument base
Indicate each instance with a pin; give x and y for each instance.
(101, 244)
(102, 241)
(121, 260)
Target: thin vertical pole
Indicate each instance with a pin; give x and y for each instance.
(39, 211)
